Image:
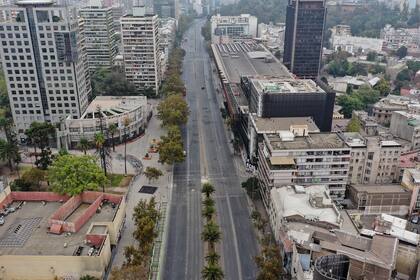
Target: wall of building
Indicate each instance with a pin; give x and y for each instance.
(47, 267)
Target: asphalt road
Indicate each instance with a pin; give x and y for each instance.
(208, 158)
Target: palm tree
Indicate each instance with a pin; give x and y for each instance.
(100, 148)
(126, 124)
(208, 201)
(112, 129)
(208, 189)
(9, 152)
(213, 258)
(212, 272)
(208, 212)
(83, 145)
(211, 234)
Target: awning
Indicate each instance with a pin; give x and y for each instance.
(282, 161)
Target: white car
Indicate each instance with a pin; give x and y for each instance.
(1, 220)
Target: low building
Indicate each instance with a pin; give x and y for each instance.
(382, 110)
(303, 158)
(380, 198)
(394, 38)
(226, 28)
(411, 181)
(102, 112)
(406, 125)
(355, 44)
(56, 236)
(373, 160)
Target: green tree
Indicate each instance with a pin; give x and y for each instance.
(269, 262)
(211, 234)
(349, 103)
(171, 148)
(208, 212)
(45, 159)
(251, 185)
(355, 69)
(208, 189)
(112, 130)
(9, 152)
(130, 272)
(152, 173)
(383, 86)
(20, 185)
(127, 122)
(413, 66)
(72, 175)
(111, 82)
(34, 177)
(208, 201)
(371, 56)
(39, 134)
(401, 52)
(83, 145)
(102, 150)
(173, 110)
(212, 272)
(213, 258)
(353, 125)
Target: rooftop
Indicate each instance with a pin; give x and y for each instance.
(26, 231)
(273, 125)
(288, 85)
(380, 188)
(113, 105)
(312, 141)
(234, 61)
(312, 203)
(35, 2)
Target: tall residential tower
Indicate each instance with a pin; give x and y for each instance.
(305, 20)
(43, 62)
(97, 25)
(140, 48)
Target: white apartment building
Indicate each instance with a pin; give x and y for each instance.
(43, 62)
(373, 160)
(301, 158)
(97, 25)
(140, 48)
(224, 28)
(355, 44)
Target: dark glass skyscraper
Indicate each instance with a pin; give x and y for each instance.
(305, 21)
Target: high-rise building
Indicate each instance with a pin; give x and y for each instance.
(97, 25)
(43, 62)
(140, 48)
(305, 20)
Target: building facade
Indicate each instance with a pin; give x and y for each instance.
(224, 28)
(373, 160)
(97, 26)
(305, 20)
(288, 97)
(301, 158)
(43, 62)
(140, 48)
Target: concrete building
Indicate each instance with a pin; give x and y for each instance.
(380, 198)
(373, 160)
(280, 97)
(302, 158)
(113, 111)
(382, 110)
(272, 35)
(226, 28)
(355, 44)
(394, 38)
(167, 33)
(406, 125)
(304, 37)
(55, 235)
(140, 48)
(97, 26)
(411, 181)
(44, 62)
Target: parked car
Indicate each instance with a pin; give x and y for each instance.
(416, 230)
(415, 219)
(2, 220)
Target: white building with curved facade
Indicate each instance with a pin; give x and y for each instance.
(107, 110)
